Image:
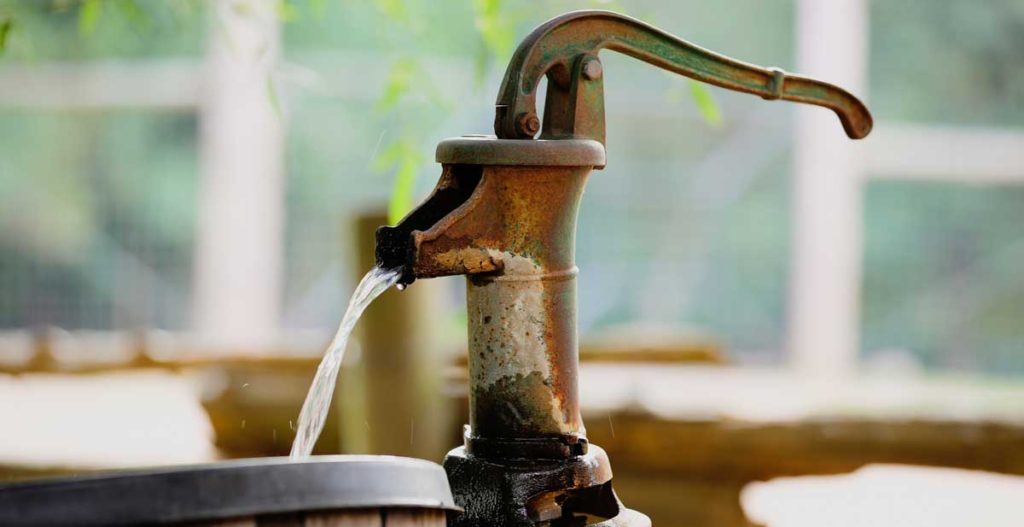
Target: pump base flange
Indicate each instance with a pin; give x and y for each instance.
(572, 492)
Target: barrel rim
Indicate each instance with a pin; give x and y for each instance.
(230, 489)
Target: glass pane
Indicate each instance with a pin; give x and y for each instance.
(948, 61)
(46, 31)
(942, 279)
(97, 226)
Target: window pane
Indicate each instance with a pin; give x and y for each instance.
(942, 276)
(96, 228)
(948, 61)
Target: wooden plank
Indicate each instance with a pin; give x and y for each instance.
(355, 518)
(415, 518)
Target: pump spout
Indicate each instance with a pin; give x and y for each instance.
(402, 246)
(477, 219)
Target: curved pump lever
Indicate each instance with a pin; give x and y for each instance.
(565, 49)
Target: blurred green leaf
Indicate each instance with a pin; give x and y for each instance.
(404, 156)
(275, 101)
(88, 16)
(287, 11)
(705, 102)
(401, 201)
(399, 83)
(610, 5)
(318, 8)
(133, 13)
(393, 8)
(494, 28)
(496, 31)
(291, 11)
(5, 30)
(394, 153)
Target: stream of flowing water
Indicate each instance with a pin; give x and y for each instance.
(318, 400)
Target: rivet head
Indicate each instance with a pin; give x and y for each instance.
(592, 69)
(529, 124)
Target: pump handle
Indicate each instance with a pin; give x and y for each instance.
(565, 49)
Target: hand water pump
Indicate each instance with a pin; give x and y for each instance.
(504, 214)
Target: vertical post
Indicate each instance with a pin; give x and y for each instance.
(238, 260)
(823, 335)
(390, 394)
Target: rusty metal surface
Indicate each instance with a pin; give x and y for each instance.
(488, 150)
(515, 238)
(565, 49)
(522, 356)
(396, 246)
(511, 229)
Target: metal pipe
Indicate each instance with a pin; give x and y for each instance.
(523, 357)
(523, 366)
(514, 235)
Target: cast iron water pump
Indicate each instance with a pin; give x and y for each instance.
(504, 215)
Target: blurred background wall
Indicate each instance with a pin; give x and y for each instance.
(193, 167)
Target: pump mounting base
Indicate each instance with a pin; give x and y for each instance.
(571, 492)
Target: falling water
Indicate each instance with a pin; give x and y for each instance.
(318, 400)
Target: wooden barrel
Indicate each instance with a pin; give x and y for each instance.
(326, 491)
